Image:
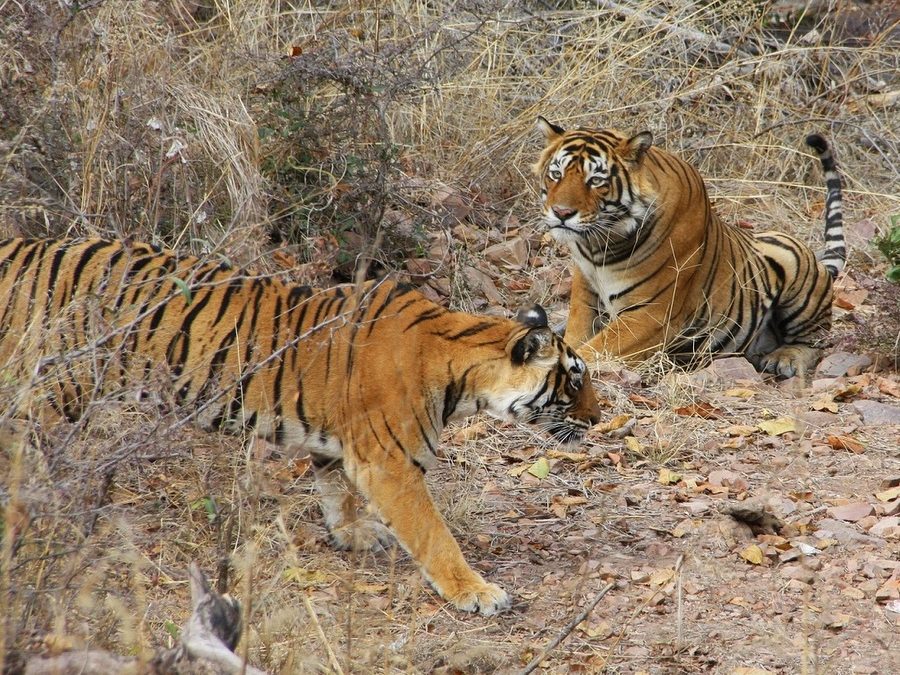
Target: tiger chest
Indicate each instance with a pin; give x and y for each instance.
(608, 285)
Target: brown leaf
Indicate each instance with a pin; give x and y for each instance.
(616, 422)
(889, 387)
(646, 401)
(553, 453)
(700, 409)
(846, 443)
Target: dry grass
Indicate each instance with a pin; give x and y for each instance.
(220, 127)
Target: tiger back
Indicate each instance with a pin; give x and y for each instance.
(655, 269)
(363, 378)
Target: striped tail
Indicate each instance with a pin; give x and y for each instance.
(835, 253)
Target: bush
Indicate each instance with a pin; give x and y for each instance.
(889, 245)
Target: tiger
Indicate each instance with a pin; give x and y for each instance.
(362, 378)
(656, 270)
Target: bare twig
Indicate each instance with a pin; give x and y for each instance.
(567, 629)
(312, 615)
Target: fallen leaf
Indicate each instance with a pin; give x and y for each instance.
(634, 445)
(540, 469)
(701, 409)
(662, 577)
(889, 494)
(889, 387)
(471, 433)
(846, 443)
(667, 477)
(753, 554)
(740, 392)
(553, 453)
(645, 401)
(846, 392)
(779, 426)
(616, 422)
(825, 402)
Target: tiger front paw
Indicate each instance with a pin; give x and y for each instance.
(789, 360)
(480, 597)
(361, 536)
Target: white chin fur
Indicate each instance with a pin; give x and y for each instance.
(563, 235)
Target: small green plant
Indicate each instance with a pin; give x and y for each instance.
(889, 245)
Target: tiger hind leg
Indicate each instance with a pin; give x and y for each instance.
(348, 528)
(790, 360)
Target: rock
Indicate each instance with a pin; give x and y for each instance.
(842, 363)
(888, 591)
(867, 522)
(511, 253)
(731, 369)
(799, 573)
(843, 533)
(889, 528)
(796, 586)
(874, 412)
(420, 266)
(481, 283)
(891, 508)
(851, 513)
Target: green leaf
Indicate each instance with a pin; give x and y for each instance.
(540, 469)
(208, 505)
(172, 629)
(893, 274)
(183, 287)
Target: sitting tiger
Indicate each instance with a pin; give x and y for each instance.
(657, 270)
(363, 378)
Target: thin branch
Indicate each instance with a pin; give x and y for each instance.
(569, 627)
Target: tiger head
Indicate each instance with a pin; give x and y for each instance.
(542, 381)
(592, 189)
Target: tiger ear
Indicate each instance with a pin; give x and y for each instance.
(530, 344)
(634, 149)
(551, 131)
(533, 317)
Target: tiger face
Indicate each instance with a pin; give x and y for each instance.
(547, 382)
(586, 190)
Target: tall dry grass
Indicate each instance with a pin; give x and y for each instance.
(233, 127)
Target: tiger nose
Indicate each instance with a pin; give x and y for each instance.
(563, 212)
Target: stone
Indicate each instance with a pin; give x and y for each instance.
(889, 528)
(851, 513)
(481, 283)
(839, 364)
(733, 368)
(511, 253)
(843, 533)
(874, 412)
(799, 573)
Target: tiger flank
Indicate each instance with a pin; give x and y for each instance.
(657, 270)
(363, 378)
